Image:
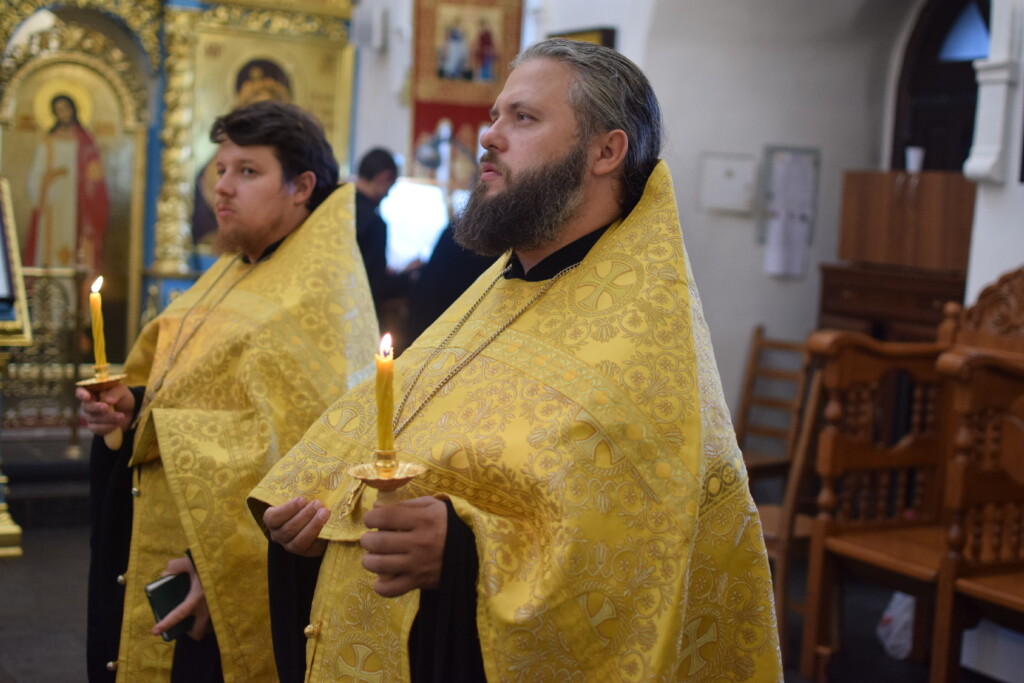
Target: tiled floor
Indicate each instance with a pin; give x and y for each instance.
(42, 627)
(43, 593)
(42, 603)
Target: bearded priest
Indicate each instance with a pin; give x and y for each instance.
(585, 512)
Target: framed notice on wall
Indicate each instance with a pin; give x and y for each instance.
(788, 208)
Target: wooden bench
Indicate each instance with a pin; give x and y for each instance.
(881, 473)
(901, 474)
(982, 569)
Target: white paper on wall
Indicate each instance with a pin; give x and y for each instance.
(788, 209)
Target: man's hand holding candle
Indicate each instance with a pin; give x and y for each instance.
(111, 409)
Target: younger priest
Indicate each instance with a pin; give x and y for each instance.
(219, 387)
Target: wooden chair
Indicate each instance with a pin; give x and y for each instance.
(982, 571)
(787, 525)
(775, 428)
(884, 478)
(773, 392)
(881, 474)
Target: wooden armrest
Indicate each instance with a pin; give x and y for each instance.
(849, 455)
(961, 362)
(832, 342)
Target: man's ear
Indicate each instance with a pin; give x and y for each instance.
(303, 186)
(611, 152)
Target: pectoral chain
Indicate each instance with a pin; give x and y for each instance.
(177, 348)
(399, 426)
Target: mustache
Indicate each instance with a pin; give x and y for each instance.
(490, 157)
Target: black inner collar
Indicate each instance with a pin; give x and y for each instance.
(555, 263)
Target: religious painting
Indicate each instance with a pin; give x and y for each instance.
(235, 68)
(71, 153)
(15, 327)
(73, 140)
(65, 112)
(462, 52)
(465, 42)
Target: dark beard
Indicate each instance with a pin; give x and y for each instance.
(529, 213)
(225, 243)
(231, 242)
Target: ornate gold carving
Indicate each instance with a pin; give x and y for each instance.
(142, 17)
(10, 532)
(334, 8)
(276, 22)
(70, 43)
(18, 331)
(173, 208)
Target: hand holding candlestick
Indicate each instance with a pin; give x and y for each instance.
(102, 380)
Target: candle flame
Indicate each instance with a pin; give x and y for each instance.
(385, 345)
(97, 284)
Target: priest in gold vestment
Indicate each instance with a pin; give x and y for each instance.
(585, 512)
(224, 382)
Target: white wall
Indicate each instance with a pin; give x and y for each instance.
(632, 25)
(383, 117)
(732, 78)
(997, 242)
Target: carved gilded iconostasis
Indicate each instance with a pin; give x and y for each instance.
(105, 109)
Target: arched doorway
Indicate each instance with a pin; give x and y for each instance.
(937, 93)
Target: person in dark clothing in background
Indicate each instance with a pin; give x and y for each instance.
(449, 272)
(377, 174)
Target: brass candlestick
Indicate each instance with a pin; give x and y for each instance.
(386, 474)
(100, 382)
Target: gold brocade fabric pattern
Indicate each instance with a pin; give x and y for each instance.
(590, 450)
(289, 335)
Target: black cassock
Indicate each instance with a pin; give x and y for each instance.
(444, 646)
(110, 513)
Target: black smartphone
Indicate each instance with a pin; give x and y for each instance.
(164, 595)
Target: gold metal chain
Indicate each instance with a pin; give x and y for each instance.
(176, 350)
(398, 427)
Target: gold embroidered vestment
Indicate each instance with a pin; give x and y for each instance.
(589, 448)
(253, 353)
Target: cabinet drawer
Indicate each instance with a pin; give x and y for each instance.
(886, 302)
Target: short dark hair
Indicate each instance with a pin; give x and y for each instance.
(609, 92)
(377, 161)
(297, 138)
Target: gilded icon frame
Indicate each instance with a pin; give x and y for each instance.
(66, 53)
(199, 88)
(15, 326)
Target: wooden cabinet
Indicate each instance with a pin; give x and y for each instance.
(913, 220)
(904, 239)
(886, 302)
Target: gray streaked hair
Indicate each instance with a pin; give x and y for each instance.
(609, 92)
